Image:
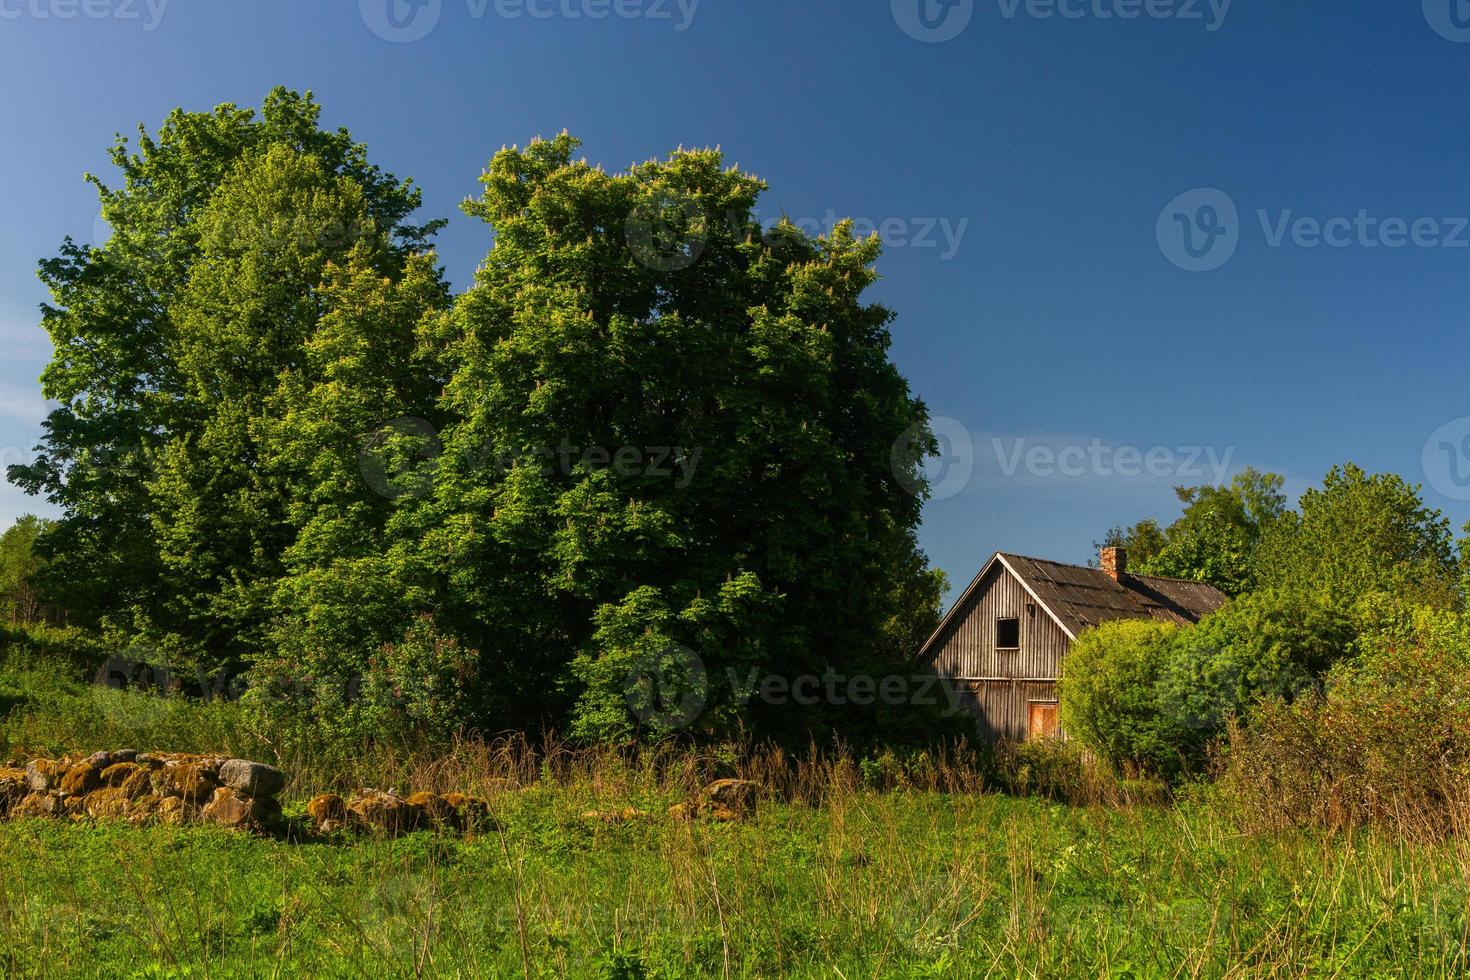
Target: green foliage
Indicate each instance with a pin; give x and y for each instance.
(641, 452)
(1358, 534)
(21, 569)
(651, 425)
(168, 341)
(1110, 697)
(1264, 645)
(1216, 538)
(1386, 741)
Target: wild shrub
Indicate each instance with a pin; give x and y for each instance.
(1110, 697)
(1268, 644)
(1386, 740)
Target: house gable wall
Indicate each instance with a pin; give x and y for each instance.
(995, 685)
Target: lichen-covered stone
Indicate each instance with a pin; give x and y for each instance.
(108, 803)
(254, 778)
(433, 810)
(735, 795)
(118, 773)
(175, 811)
(81, 779)
(136, 785)
(384, 812)
(470, 812)
(42, 805)
(189, 781)
(12, 788)
(44, 775)
(328, 811)
(229, 809)
(144, 809)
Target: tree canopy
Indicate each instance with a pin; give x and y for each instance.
(655, 443)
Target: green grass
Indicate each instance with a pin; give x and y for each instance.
(867, 884)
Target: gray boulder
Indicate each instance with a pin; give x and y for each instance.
(253, 778)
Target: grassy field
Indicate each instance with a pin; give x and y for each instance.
(898, 884)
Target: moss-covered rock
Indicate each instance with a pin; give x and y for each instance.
(328, 811)
(119, 772)
(13, 788)
(470, 812)
(108, 803)
(189, 781)
(44, 775)
(81, 779)
(38, 805)
(176, 811)
(432, 810)
(381, 812)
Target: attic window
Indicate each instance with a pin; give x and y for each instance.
(1007, 634)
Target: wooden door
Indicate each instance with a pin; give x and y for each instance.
(1042, 720)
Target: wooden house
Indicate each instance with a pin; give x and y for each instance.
(1002, 644)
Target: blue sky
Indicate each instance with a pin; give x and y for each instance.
(1034, 167)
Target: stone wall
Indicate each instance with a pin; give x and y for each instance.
(146, 787)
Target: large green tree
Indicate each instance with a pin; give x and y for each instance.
(669, 448)
(1216, 538)
(168, 336)
(1359, 534)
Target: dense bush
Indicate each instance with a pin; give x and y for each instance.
(1266, 644)
(1387, 740)
(1110, 696)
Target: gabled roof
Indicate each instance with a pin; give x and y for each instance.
(1079, 598)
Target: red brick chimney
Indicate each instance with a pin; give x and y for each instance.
(1113, 561)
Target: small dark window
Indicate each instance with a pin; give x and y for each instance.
(1007, 634)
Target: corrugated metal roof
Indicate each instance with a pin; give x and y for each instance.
(1084, 597)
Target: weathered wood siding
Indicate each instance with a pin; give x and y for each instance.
(997, 686)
